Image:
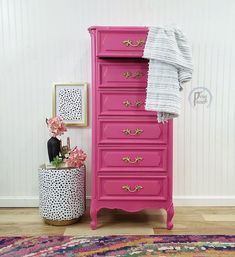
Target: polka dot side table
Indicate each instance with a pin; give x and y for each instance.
(62, 194)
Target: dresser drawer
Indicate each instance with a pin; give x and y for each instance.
(132, 132)
(126, 159)
(133, 188)
(121, 42)
(122, 73)
(123, 103)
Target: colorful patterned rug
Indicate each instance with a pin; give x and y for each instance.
(119, 246)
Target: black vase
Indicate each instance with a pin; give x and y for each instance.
(53, 147)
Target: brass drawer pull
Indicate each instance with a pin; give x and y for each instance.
(129, 42)
(128, 159)
(128, 188)
(130, 104)
(134, 75)
(128, 132)
(127, 74)
(138, 75)
(138, 103)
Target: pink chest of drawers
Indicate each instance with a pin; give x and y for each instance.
(131, 152)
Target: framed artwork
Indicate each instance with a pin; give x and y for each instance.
(70, 103)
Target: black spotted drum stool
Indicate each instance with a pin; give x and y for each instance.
(62, 193)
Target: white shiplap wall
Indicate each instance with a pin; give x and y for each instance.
(46, 41)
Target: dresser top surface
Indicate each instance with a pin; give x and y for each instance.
(137, 28)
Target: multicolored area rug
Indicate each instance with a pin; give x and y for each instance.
(119, 246)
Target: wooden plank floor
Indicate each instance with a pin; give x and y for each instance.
(187, 220)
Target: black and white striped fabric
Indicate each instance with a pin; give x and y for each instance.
(170, 65)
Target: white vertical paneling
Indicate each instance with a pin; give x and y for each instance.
(46, 41)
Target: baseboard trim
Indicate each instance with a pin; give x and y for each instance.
(19, 201)
(204, 200)
(33, 201)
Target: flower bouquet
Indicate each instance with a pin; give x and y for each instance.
(62, 156)
(56, 128)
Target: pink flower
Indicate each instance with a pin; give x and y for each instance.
(76, 158)
(56, 126)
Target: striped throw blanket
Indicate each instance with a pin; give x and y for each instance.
(170, 65)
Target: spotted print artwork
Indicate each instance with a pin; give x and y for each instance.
(70, 103)
(62, 193)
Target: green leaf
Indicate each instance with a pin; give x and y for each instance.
(57, 161)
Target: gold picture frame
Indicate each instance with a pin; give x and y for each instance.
(70, 103)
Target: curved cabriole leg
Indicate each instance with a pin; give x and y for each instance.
(93, 214)
(170, 214)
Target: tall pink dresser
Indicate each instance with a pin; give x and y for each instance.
(131, 152)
